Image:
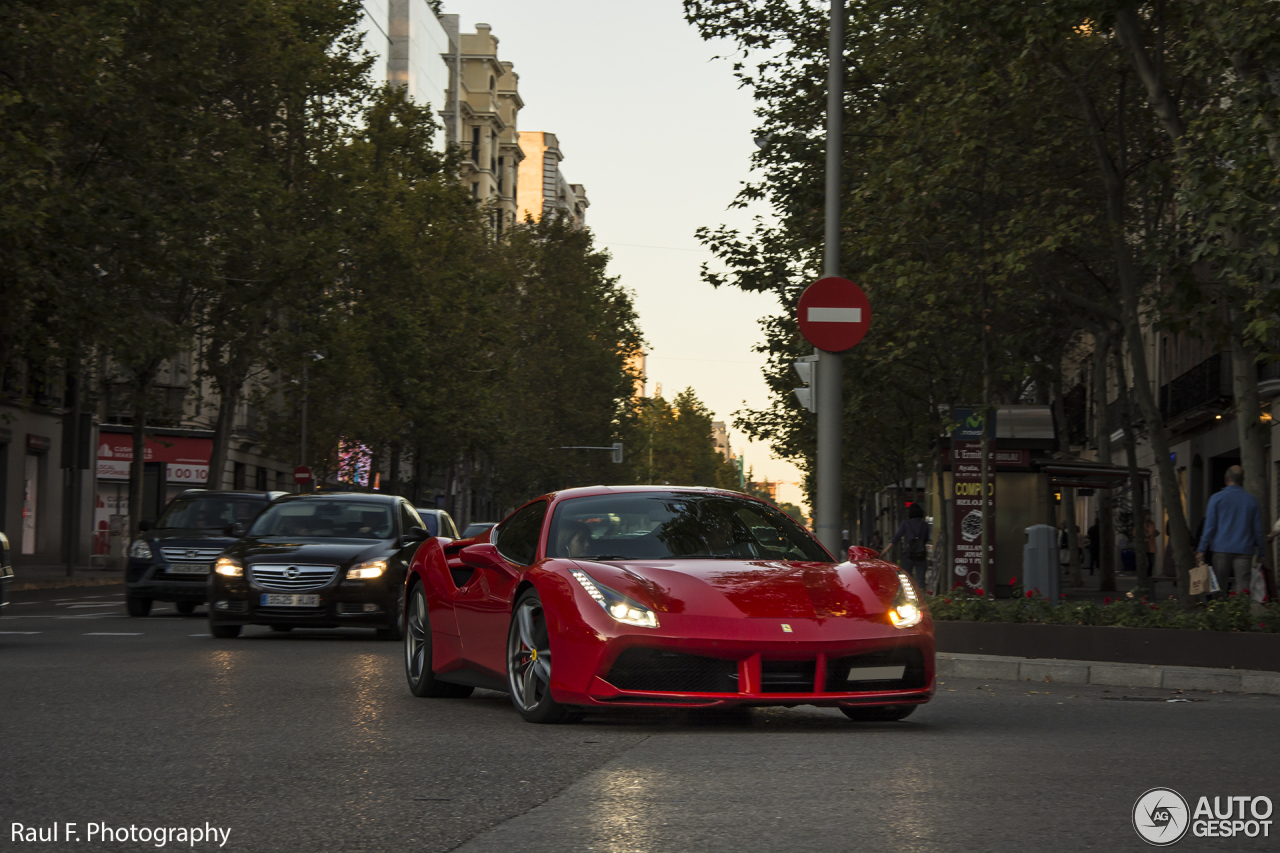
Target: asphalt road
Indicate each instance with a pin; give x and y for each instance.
(310, 741)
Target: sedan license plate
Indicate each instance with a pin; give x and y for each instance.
(274, 599)
(188, 568)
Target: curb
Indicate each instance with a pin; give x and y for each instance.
(995, 667)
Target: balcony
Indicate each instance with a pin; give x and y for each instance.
(1206, 384)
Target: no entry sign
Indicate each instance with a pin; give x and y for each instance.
(302, 475)
(834, 314)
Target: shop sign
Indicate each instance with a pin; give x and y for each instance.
(967, 515)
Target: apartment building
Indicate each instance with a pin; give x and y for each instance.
(544, 191)
(481, 111)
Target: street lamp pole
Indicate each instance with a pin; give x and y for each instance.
(831, 365)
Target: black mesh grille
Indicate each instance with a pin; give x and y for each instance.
(839, 671)
(672, 672)
(787, 676)
(461, 575)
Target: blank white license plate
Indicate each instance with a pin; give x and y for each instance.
(188, 568)
(272, 599)
(876, 673)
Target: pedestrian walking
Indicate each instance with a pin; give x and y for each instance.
(1233, 532)
(914, 534)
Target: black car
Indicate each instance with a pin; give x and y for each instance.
(318, 561)
(171, 558)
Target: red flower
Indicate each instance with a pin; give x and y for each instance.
(1153, 607)
(1030, 594)
(1062, 595)
(1233, 592)
(946, 601)
(978, 591)
(1013, 581)
(1106, 600)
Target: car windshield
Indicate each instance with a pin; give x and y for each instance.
(677, 525)
(208, 512)
(325, 518)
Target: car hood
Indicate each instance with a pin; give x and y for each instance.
(175, 537)
(753, 589)
(302, 550)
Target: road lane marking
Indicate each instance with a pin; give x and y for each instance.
(21, 632)
(112, 634)
(103, 604)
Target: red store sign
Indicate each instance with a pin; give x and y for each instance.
(187, 458)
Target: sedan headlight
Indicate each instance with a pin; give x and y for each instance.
(228, 567)
(140, 549)
(367, 570)
(906, 611)
(616, 604)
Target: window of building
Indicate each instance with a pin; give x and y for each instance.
(475, 145)
(502, 171)
(260, 479)
(238, 475)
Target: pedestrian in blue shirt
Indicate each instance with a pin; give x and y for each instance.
(1233, 532)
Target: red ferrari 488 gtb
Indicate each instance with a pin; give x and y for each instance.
(659, 596)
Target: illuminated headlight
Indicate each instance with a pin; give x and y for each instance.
(228, 567)
(140, 549)
(616, 604)
(906, 611)
(367, 570)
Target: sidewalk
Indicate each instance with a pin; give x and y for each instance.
(1041, 670)
(55, 577)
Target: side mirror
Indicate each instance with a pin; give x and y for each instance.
(416, 534)
(485, 556)
(145, 525)
(235, 528)
(862, 552)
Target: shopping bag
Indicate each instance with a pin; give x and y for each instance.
(1213, 581)
(1258, 584)
(1200, 579)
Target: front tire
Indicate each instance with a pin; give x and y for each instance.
(394, 629)
(225, 632)
(417, 654)
(137, 606)
(878, 713)
(529, 663)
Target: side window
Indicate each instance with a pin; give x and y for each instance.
(408, 519)
(448, 528)
(517, 538)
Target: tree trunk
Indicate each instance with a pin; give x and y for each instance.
(143, 379)
(1068, 494)
(228, 402)
(1106, 568)
(941, 527)
(1249, 427)
(1139, 532)
(393, 472)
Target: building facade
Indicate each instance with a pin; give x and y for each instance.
(544, 191)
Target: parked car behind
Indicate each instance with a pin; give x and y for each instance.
(171, 558)
(476, 528)
(437, 522)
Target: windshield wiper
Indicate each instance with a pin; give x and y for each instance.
(604, 557)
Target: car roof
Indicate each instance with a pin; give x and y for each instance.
(586, 491)
(364, 497)
(248, 493)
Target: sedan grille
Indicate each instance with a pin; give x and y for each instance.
(190, 555)
(292, 578)
(673, 672)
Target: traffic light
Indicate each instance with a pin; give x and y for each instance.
(617, 451)
(807, 368)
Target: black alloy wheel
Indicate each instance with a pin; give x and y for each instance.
(529, 664)
(224, 632)
(394, 629)
(137, 606)
(878, 713)
(417, 654)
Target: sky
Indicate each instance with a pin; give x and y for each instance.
(660, 135)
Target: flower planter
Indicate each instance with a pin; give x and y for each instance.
(1161, 646)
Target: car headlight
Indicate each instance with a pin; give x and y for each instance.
(616, 604)
(140, 549)
(367, 570)
(907, 610)
(228, 567)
